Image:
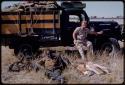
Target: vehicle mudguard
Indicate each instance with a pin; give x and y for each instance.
(115, 43)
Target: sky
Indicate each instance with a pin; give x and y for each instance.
(94, 8)
(104, 8)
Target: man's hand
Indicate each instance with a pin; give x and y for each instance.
(75, 41)
(100, 32)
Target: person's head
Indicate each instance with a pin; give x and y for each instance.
(83, 24)
(51, 54)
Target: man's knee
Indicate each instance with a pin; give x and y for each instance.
(89, 44)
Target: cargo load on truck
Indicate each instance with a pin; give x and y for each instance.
(30, 17)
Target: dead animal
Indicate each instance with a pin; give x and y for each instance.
(89, 68)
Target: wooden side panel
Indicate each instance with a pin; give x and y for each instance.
(10, 17)
(10, 28)
(10, 23)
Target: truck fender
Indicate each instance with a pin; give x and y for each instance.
(115, 43)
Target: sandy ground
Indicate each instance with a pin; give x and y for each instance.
(114, 63)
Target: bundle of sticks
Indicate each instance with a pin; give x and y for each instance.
(20, 7)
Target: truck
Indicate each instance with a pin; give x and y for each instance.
(43, 24)
(108, 41)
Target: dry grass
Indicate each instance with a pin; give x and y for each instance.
(114, 63)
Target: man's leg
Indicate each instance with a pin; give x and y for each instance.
(81, 51)
(57, 76)
(90, 47)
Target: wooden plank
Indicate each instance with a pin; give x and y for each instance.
(9, 29)
(28, 17)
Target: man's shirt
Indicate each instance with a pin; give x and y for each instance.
(82, 34)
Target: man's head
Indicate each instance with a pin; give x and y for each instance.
(52, 54)
(84, 24)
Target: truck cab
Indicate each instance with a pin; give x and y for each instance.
(71, 17)
(108, 41)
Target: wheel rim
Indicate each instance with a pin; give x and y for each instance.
(108, 48)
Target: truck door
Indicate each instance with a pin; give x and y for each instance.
(69, 23)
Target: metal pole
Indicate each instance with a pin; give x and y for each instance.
(19, 22)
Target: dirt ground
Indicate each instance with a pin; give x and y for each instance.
(114, 63)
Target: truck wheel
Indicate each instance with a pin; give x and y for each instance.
(24, 50)
(111, 47)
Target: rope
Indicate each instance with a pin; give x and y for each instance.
(26, 18)
(30, 30)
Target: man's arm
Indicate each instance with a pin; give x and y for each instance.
(96, 33)
(75, 34)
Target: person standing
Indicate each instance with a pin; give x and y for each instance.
(80, 39)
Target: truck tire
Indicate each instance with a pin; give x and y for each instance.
(111, 46)
(24, 50)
